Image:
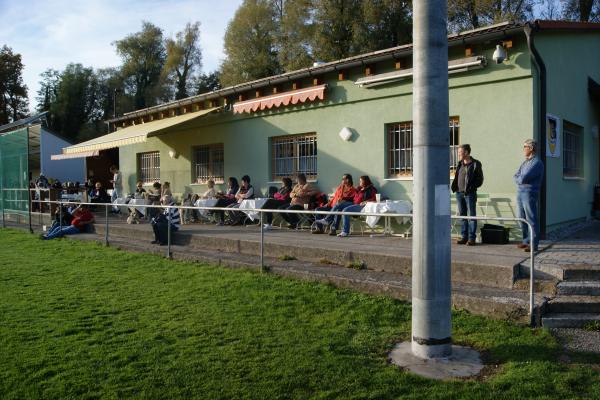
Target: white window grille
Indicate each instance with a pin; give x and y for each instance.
(148, 170)
(209, 163)
(400, 142)
(292, 155)
(572, 150)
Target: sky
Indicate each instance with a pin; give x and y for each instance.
(54, 33)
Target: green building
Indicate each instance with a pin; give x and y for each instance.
(508, 82)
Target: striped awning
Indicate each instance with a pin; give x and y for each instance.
(83, 154)
(135, 133)
(277, 100)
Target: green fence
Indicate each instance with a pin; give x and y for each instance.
(14, 174)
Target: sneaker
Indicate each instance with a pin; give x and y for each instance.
(332, 232)
(471, 243)
(522, 246)
(318, 230)
(267, 227)
(343, 234)
(462, 241)
(155, 242)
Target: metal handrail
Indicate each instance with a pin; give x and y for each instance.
(261, 211)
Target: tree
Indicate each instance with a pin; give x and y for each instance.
(385, 24)
(205, 83)
(581, 10)
(249, 44)
(472, 14)
(184, 58)
(294, 33)
(13, 92)
(335, 23)
(143, 54)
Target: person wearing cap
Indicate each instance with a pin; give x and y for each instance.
(468, 177)
(529, 178)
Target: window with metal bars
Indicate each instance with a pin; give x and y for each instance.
(572, 150)
(148, 167)
(400, 152)
(294, 154)
(209, 163)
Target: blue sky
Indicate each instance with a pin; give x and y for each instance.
(53, 33)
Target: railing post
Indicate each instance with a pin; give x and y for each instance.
(169, 232)
(106, 228)
(3, 215)
(60, 216)
(262, 243)
(531, 273)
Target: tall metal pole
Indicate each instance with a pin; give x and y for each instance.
(431, 287)
(27, 184)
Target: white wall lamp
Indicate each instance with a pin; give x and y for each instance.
(346, 134)
(500, 54)
(173, 153)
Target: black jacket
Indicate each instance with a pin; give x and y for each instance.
(474, 176)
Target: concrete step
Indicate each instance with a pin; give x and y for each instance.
(478, 273)
(499, 303)
(578, 288)
(569, 320)
(573, 304)
(571, 272)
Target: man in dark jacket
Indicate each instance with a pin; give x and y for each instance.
(468, 177)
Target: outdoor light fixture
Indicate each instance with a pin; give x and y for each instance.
(345, 134)
(173, 154)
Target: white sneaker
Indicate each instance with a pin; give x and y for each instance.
(343, 234)
(267, 227)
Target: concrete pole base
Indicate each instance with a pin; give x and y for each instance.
(463, 363)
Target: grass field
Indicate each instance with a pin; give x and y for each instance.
(78, 320)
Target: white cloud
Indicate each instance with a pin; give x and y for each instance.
(53, 33)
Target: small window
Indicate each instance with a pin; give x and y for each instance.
(291, 155)
(209, 163)
(148, 167)
(572, 150)
(400, 142)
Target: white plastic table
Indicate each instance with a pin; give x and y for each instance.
(139, 202)
(250, 204)
(388, 206)
(205, 203)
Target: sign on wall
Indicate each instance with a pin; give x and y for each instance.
(553, 130)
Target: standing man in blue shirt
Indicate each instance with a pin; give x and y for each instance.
(528, 179)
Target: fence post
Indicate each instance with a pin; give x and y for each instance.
(60, 216)
(106, 229)
(262, 243)
(3, 214)
(169, 232)
(531, 273)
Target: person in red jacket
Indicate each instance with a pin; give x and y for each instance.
(81, 218)
(365, 192)
(342, 198)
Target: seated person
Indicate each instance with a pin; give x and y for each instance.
(187, 214)
(299, 198)
(280, 198)
(226, 199)
(166, 189)
(153, 196)
(160, 223)
(99, 194)
(66, 215)
(210, 193)
(82, 217)
(140, 192)
(246, 191)
(342, 198)
(364, 193)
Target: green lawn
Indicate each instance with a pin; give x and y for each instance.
(78, 320)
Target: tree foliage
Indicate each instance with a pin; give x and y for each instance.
(205, 83)
(184, 58)
(581, 10)
(13, 92)
(472, 14)
(143, 54)
(294, 33)
(249, 44)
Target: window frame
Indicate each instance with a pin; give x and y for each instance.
(152, 158)
(572, 153)
(405, 171)
(301, 146)
(213, 151)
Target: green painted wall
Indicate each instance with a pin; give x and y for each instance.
(494, 105)
(570, 58)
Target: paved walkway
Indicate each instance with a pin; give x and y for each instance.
(581, 248)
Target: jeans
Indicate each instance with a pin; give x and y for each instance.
(291, 219)
(346, 218)
(57, 231)
(161, 230)
(334, 220)
(467, 205)
(527, 209)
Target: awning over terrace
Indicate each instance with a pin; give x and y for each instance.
(130, 135)
(277, 100)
